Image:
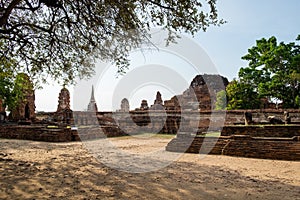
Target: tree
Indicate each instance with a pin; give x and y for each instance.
(221, 102)
(62, 38)
(5, 87)
(273, 73)
(11, 88)
(12, 84)
(241, 96)
(282, 64)
(6, 82)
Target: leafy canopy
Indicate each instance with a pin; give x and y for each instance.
(62, 38)
(273, 73)
(221, 102)
(6, 81)
(12, 87)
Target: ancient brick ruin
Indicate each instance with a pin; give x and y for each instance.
(158, 102)
(2, 112)
(125, 105)
(64, 114)
(1, 106)
(260, 140)
(92, 106)
(144, 105)
(190, 116)
(201, 94)
(235, 145)
(38, 133)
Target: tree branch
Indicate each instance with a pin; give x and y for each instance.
(8, 31)
(162, 6)
(8, 10)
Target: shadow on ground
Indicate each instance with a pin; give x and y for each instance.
(37, 170)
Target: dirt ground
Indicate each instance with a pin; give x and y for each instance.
(39, 170)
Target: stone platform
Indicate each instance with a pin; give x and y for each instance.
(267, 142)
(57, 134)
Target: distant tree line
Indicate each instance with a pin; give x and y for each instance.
(272, 75)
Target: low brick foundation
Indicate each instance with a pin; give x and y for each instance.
(262, 131)
(37, 133)
(41, 133)
(243, 146)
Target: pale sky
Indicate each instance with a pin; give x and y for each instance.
(248, 21)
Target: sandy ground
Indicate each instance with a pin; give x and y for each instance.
(39, 170)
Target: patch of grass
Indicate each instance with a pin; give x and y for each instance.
(52, 126)
(165, 136)
(212, 134)
(147, 135)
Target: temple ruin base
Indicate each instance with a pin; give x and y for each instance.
(267, 142)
